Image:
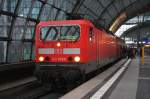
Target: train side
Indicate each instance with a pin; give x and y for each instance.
(93, 49)
(102, 48)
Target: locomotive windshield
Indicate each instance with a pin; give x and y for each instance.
(54, 33)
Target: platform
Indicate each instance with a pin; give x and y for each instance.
(87, 89)
(130, 81)
(135, 83)
(126, 88)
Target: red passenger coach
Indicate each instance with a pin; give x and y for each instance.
(74, 47)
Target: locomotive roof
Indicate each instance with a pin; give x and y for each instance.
(43, 23)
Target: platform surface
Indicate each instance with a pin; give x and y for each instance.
(135, 83)
(143, 91)
(86, 90)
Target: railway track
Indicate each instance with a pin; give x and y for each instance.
(28, 88)
(21, 89)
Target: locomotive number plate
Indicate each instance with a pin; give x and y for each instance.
(61, 59)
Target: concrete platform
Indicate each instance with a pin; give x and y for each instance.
(127, 86)
(135, 83)
(86, 90)
(131, 81)
(143, 91)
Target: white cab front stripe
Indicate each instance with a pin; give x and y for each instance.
(71, 51)
(65, 51)
(46, 51)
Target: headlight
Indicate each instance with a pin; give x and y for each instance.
(58, 44)
(41, 58)
(77, 59)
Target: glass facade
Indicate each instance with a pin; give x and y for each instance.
(5, 23)
(3, 45)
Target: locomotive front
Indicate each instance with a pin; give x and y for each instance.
(60, 50)
(59, 44)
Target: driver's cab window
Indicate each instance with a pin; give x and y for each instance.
(91, 34)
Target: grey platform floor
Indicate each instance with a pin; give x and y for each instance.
(135, 83)
(143, 91)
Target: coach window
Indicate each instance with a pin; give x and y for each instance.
(91, 34)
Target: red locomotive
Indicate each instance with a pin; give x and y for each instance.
(74, 47)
